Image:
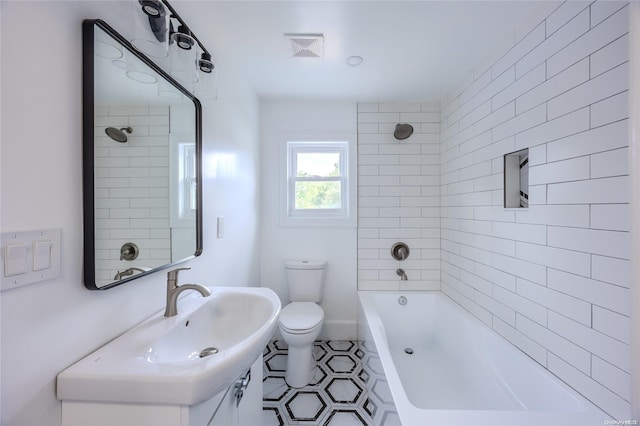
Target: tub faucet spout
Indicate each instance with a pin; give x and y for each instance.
(127, 272)
(173, 290)
(400, 272)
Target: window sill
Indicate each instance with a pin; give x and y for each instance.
(318, 222)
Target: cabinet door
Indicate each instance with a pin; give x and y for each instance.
(250, 409)
(229, 413)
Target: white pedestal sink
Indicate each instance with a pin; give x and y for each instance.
(185, 359)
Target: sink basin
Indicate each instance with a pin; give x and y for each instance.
(228, 319)
(184, 359)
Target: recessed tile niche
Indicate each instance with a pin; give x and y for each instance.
(516, 179)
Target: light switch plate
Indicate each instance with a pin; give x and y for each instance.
(30, 256)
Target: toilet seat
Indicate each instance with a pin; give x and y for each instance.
(301, 317)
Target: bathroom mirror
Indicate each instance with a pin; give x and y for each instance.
(141, 163)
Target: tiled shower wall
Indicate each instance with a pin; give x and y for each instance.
(132, 188)
(398, 196)
(554, 278)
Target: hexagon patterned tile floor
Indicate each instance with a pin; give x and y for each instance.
(337, 395)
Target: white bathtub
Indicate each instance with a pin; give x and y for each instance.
(461, 372)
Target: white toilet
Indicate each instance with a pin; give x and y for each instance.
(301, 320)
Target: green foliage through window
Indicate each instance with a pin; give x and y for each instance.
(318, 195)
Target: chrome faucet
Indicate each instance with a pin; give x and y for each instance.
(173, 290)
(400, 272)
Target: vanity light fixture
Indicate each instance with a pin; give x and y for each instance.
(183, 38)
(152, 7)
(205, 63)
(150, 15)
(163, 20)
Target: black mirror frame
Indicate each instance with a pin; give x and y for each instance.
(88, 192)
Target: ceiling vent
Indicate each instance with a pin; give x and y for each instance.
(306, 45)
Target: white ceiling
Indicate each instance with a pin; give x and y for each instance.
(412, 50)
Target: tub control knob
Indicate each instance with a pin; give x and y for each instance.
(129, 251)
(400, 251)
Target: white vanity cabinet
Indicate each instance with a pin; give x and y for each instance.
(247, 413)
(177, 370)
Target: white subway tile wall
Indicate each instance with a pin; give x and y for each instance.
(552, 279)
(398, 196)
(132, 181)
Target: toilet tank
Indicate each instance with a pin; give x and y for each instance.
(305, 280)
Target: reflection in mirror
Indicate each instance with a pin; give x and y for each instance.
(141, 163)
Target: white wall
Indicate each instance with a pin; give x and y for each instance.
(48, 326)
(634, 115)
(554, 278)
(337, 245)
(398, 195)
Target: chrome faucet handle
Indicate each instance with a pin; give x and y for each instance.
(172, 275)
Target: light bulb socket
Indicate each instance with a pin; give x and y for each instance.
(153, 8)
(183, 38)
(205, 64)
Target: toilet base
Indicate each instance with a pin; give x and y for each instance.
(300, 366)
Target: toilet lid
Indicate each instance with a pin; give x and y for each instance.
(301, 315)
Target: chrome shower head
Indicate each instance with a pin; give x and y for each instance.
(403, 131)
(118, 135)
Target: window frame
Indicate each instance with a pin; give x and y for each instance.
(343, 216)
(295, 148)
(181, 180)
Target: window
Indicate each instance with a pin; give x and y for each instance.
(189, 199)
(318, 185)
(183, 180)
